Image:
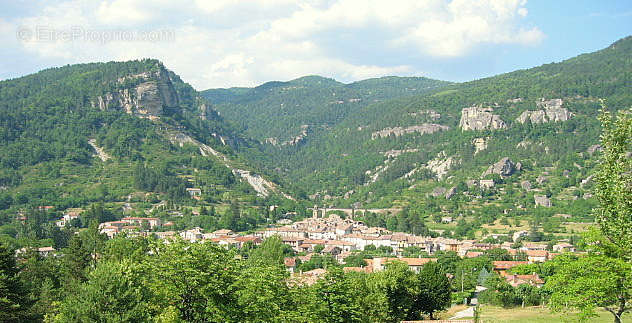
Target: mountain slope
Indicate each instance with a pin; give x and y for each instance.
(283, 113)
(411, 150)
(98, 132)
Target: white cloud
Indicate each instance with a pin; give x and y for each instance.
(236, 43)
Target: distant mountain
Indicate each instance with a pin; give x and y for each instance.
(411, 141)
(281, 113)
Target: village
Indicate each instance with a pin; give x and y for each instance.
(340, 237)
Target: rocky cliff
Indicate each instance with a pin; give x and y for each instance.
(146, 94)
(551, 111)
(426, 128)
(504, 167)
(480, 118)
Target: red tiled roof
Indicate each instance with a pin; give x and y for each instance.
(537, 253)
(289, 261)
(507, 264)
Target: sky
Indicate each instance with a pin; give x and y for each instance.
(226, 43)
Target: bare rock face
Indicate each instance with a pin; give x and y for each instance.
(441, 164)
(479, 118)
(204, 111)
(480, 144)
(551, 111)
(471, 183)
(438, 191)
(450, 193)
(542, 200)
(299, 138)
(430, 114)
(149, 97)
(526, 185)
(426, 128)
(504, 167)
(486, 183)
(592, 149)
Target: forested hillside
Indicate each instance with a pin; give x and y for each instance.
(114, 133)
(280, 112)
(410, 151)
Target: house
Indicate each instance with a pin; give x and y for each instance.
(446, 219)
(310, 277)
(68, 216)
(152, 222)
(226, 241)
(473, 254)
(563, 247)
(46, 251)
(448, 244)
(343, 229)
(290, 264)
(415, 264)
(194, 191)
(533, 246)
(222, 233)
(293, 242)
(165, 235)
(517, 280)
(192, 235)
(246, 239)
(501, 267)
(332, 250)
(537, 255)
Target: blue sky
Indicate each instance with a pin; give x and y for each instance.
(223, 43)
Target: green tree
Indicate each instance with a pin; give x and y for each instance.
(590, 282)
(271, 251)
(434, 290)
(14, 302)
(392, 294)
(614, 181)
(262, 294)
(335, 300)
(195, 278)
(114, 292)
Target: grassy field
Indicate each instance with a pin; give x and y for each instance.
(450, 312)
(493, 314)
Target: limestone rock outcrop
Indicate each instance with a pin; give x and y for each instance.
(526, 185)
(480, 144)
(450, 193)
(152, 93)
(441, 164)
(551, 111)
(479, 118)
(542, 200)
(438, 191)
(426, 128)
(504, 167)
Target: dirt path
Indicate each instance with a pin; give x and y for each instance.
(468, 312)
